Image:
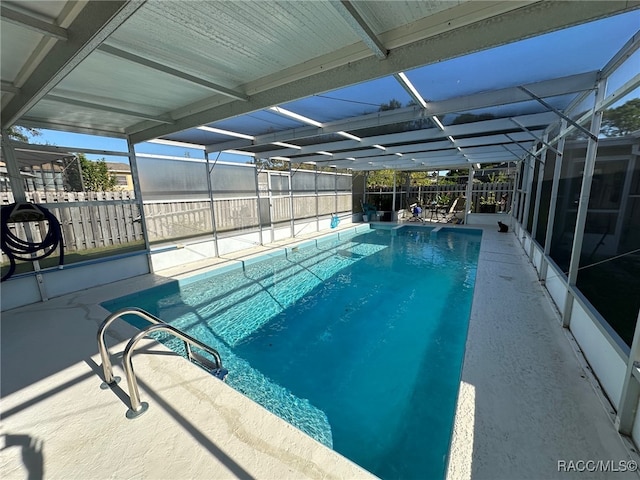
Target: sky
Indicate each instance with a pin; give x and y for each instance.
(574, 50)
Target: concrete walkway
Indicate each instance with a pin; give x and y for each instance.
(528, 403)
(526, 400)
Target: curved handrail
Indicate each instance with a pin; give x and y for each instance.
(104, 351)
(102, 347)
(134, 395)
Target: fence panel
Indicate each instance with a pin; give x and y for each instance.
(304, 206)
(175, 220)
(280, 209)
(326, 204)
(87, 219)
(382, 197)
(236, 214)
(344, 203)
(104, 220)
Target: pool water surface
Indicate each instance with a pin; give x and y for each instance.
(357, 341)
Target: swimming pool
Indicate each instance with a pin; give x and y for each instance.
(357, 340)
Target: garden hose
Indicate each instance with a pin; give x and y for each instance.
(18, 249)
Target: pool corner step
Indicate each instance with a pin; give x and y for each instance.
(394, 230)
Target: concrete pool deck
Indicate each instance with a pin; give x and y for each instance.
(527, 398)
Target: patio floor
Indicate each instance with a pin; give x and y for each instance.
(527, 400)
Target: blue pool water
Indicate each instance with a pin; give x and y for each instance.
(357, 340)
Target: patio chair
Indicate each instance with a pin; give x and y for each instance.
(456, 212)
(368, 210)
(436, 210)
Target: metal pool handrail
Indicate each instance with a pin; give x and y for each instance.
(138, 408)
(102, 346)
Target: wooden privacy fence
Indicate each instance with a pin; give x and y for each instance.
(424, 195)
(183, 219)
(92, 220)
(88, 219)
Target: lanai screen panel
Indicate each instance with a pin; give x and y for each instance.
(162, 179)
(353, 101)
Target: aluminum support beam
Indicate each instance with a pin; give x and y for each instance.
(116, 52)
(292, 222)
(513, 141)
(539, 139)
(583, 204)
(547, 88)
(15, 178)
(628, 404)
(257, 183)
(410, 50)
(469, 194)
(19, 196)
(536, 208)
(555, 186)
(559, 113)
(529, 166)
(93, 25)
(393, 201)
(358, 24)
(482, 130)
(135, 176)
(65, 150)
(25, 20)
(622, 55)
(8, 87)
(410, 89)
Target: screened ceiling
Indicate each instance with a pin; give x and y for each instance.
(363, 85)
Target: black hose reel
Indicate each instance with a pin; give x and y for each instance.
(18, 249)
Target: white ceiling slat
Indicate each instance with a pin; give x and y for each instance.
(516, 23)
(89, 29)
(348, 11)
(116, 52)
(219, 60)
(108, 108)
(103, 131)
(31, 22)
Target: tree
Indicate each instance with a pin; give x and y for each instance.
(270, 164)
(456, 176)
(472, 117)
(23, 133)
(96, 175)
(392, 105)
(622, 120)
(384, 178)
(422, 178)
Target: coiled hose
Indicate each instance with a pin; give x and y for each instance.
(18, 249)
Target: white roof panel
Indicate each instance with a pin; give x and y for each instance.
(159, 69)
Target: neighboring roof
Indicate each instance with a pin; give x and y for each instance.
(118, 167)
(159, 69)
